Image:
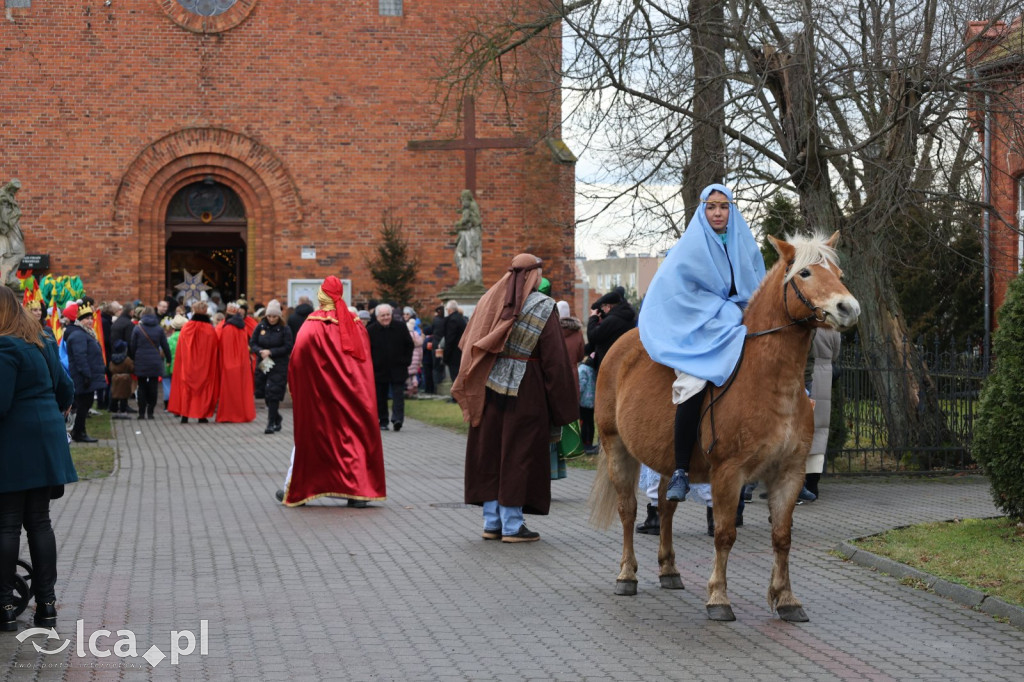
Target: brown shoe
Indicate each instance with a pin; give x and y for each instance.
(524, 535)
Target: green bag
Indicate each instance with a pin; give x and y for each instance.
(571, 444)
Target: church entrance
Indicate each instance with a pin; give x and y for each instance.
(206, 231)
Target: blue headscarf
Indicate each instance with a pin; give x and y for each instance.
(690, 320)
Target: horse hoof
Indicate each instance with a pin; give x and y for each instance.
(625, 588)
(721, 612)
(793, 614)
(672, 582)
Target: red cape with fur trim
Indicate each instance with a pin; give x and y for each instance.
(196, 384)
(237, 397)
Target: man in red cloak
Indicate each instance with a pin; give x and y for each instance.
(197, 378)
(338, 451)
(237, 397)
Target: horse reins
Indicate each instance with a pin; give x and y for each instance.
(816, 314)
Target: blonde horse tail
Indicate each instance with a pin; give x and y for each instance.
(603, 500)
(604, 494)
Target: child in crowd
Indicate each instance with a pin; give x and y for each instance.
(121, 367)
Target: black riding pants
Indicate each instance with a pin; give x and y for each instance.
(687, 428)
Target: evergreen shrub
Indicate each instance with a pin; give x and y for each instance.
(999, 433)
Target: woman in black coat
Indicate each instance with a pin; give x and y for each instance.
(148, 348)
(272, 339)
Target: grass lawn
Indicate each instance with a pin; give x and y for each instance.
(449, 416)
(100, 426)
(437, 413)
(985, 554)
(92, 461)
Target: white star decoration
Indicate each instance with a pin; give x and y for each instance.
(192, 286)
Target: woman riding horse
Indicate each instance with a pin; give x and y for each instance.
(692, 317)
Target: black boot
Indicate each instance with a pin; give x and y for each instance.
(46, 614)
(711, 522)
(651, 526)
(271, 417)
(8, 618)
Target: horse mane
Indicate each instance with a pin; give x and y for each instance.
(811, 250)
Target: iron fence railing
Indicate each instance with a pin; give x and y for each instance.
(860, 440)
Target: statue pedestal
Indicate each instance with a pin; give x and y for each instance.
(466, 295)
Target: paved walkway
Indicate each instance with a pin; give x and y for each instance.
(187, 530)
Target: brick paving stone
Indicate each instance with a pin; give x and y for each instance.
(188, 530)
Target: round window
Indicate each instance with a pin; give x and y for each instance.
(207, 8)
(207, 16)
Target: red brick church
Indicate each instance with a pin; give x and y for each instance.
(262, 141)
(995, 55)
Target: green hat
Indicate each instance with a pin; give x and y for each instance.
(545, 286)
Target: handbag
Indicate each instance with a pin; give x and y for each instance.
(161, 350)
(571, 444)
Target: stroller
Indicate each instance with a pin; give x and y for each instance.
(22, 592)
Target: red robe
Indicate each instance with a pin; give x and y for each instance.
(338, 451)
(237, 397)
(196, 376)
(250, 327)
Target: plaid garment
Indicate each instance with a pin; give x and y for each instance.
(509, 368)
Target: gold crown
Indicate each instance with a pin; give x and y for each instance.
(84, 310)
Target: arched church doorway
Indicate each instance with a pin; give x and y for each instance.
(206, 230)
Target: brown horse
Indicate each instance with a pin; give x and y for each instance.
(758, 426)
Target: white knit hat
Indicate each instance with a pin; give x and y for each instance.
(274, 308)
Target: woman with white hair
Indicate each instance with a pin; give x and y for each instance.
(413, 324)
(272, 341)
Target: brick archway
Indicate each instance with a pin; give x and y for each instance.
(258, 177)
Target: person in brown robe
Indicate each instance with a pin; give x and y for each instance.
(517, 388)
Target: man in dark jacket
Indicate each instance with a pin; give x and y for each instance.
(612, 318)
(391, 347)
(454, 326)
(85, 365)
(299, 315)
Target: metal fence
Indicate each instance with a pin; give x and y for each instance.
(859, 440)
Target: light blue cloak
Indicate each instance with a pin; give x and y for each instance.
(689, 321)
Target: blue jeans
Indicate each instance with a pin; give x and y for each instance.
(509, 519)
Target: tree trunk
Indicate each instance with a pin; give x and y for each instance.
(906, 394)
(707, 145)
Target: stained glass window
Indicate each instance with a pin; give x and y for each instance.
(207, 8)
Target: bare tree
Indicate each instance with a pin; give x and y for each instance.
(858, 107)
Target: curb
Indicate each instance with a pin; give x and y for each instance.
(966, 596)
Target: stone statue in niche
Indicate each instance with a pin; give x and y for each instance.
(469, 245)
(12, 240)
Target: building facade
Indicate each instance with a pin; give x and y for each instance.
(598, 276)
(263, 141)
(996, 57)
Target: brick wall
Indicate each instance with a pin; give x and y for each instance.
(303, 108)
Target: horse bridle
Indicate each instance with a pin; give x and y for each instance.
(817, 314)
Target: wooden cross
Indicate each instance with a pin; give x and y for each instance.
(470, 143)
